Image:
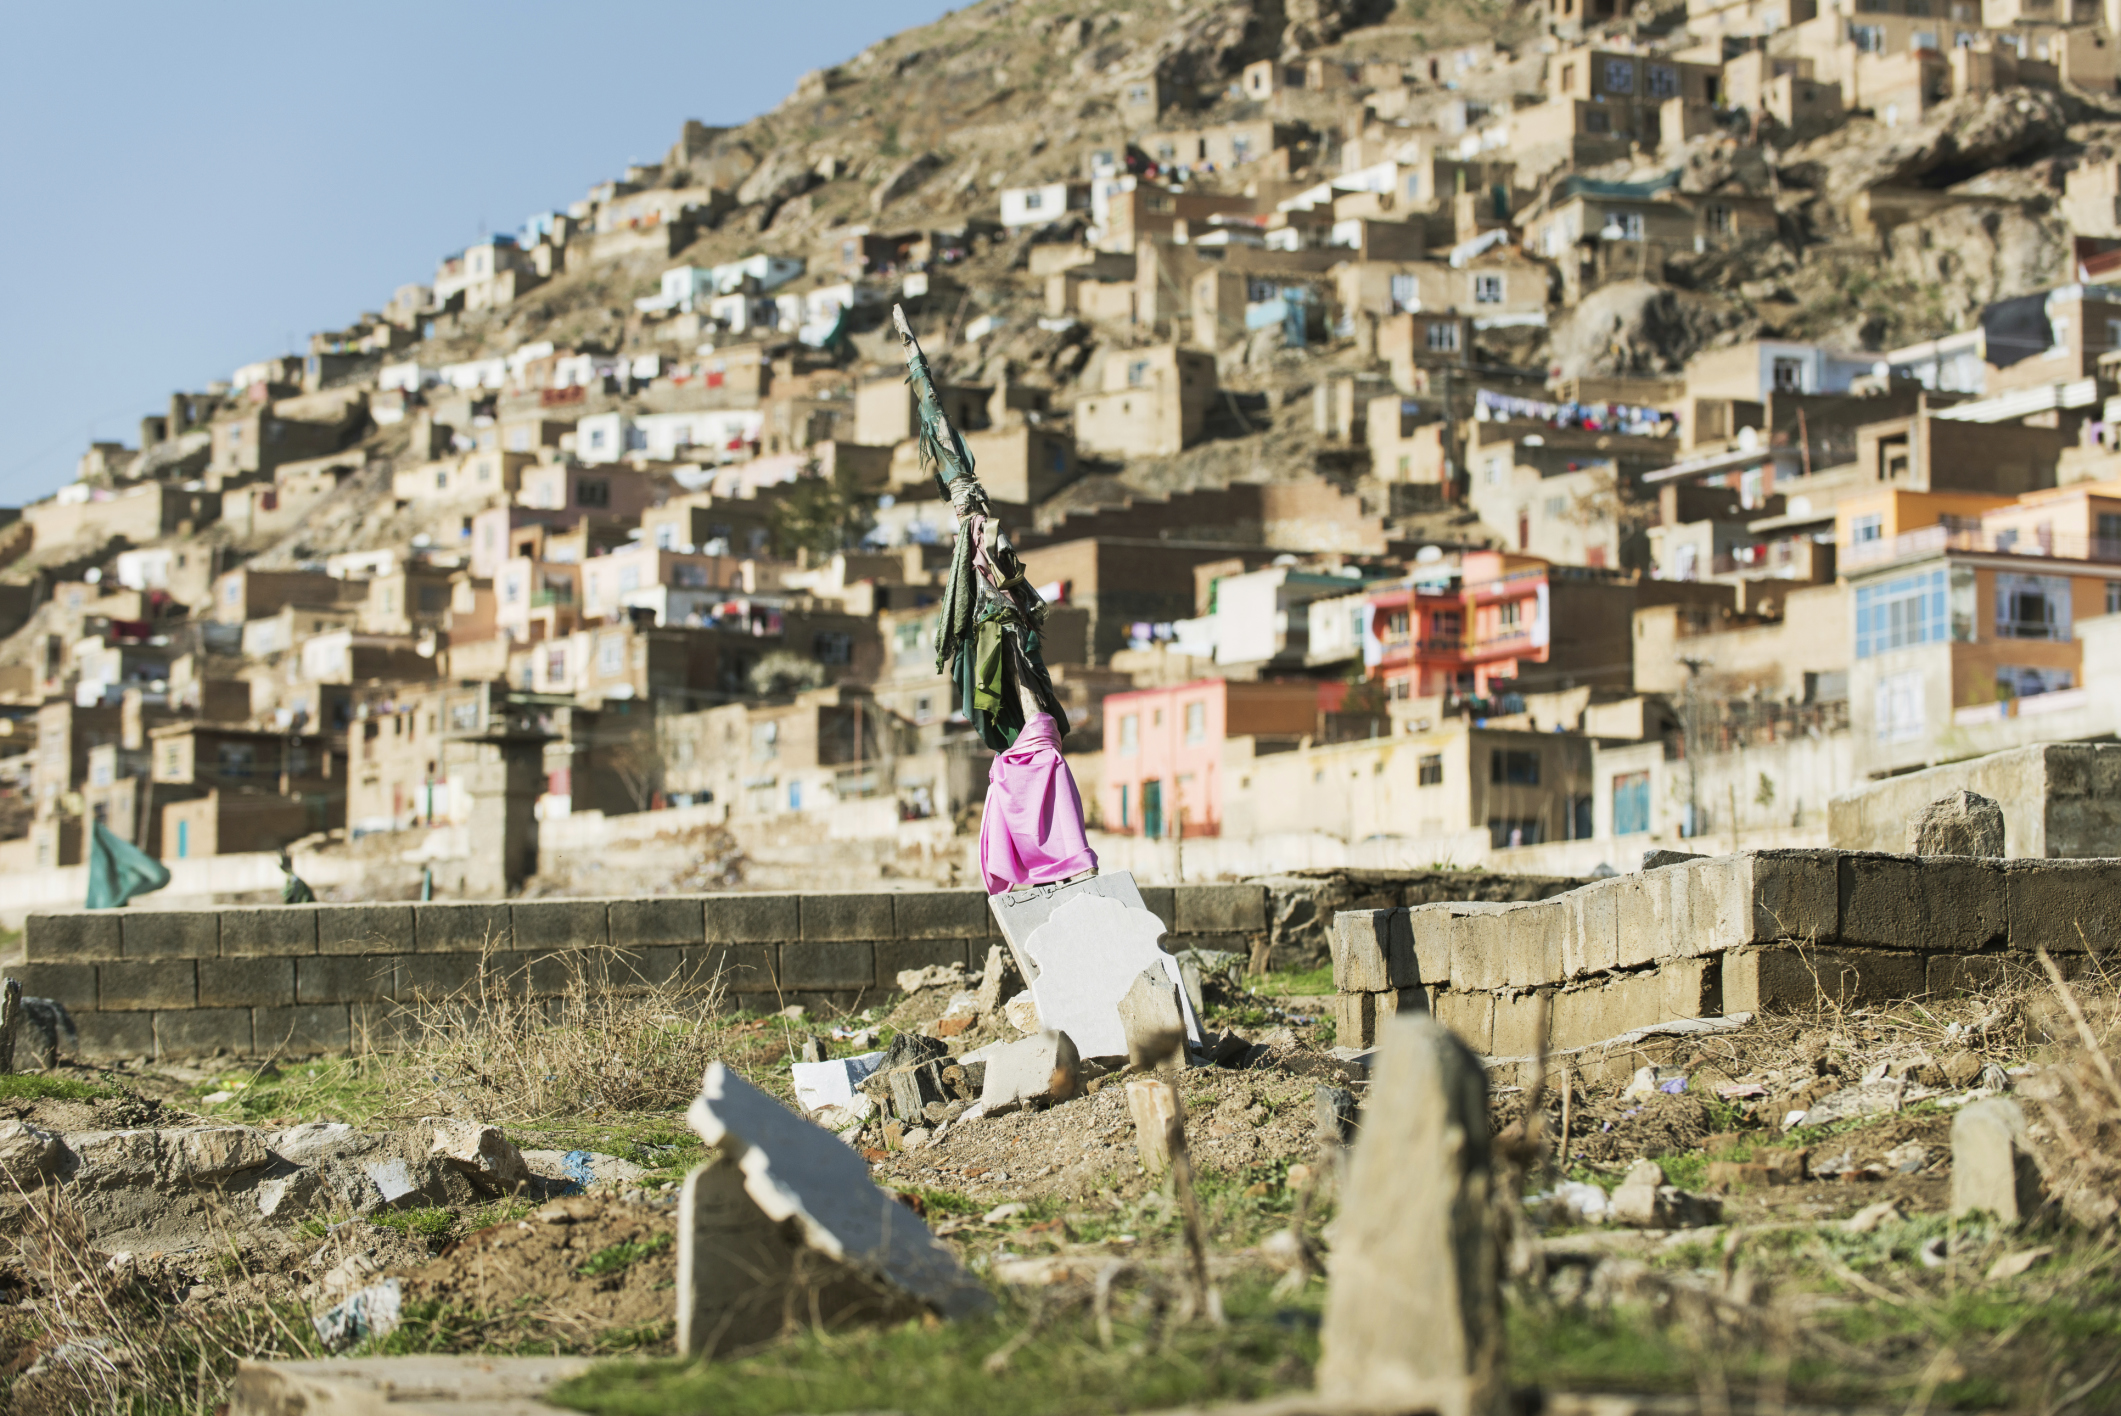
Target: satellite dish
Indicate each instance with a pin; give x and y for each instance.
(422, 541)
(1748, 439)
(1428, 555)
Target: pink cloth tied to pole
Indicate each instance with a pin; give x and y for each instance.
(1031, 831)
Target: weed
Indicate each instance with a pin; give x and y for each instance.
(1309, 984)
(430, 1223)
(621, 1256)
(36, 1086)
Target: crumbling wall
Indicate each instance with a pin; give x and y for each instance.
(1301, 904)
(2060, 800)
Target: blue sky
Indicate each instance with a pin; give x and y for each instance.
(190, 187)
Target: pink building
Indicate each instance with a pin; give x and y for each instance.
(1164, 747)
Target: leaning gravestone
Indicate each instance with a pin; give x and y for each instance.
(1019, 912)
(1414, 1317)
(1962, 824)
(786, 1224)
(1088, 954)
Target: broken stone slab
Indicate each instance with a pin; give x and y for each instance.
(1021, 912)
(1335, 1111)
(29, 1156)
(357, 1386)
(1021, 1012)
(1414, 1314)
(486, 1156)
(313, 1142)
(1089, 952)
(834, 1082)
(1864, 1099)
(913, 1088)
(992, 980)
(288, 1196)
(1152, 1019)
(1993, 1170)
(934, 976)
(1039, 1069)
(1373, 951)
(202, 1154)
(374, 1311)
(1962, 824)
(799, 1173)
(1154, 1105)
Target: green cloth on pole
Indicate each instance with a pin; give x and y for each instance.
(119, 870)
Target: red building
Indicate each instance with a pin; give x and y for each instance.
(1164, 747)
(1463, 629)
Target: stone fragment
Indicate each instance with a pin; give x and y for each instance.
(374, 1311)
(489, 1158)
(1962, 824)
(392, 1179)
(28, 1156)
(1961, 1069)
(202, 1154)
(1042, 1068)
(913, 1088)
(802, 1175)
(288, 1196)
(1153, 1020)
(1658, 859)
(909, 1049)
(1021, 1012)
(1088, 953)
(1154, 1104)
(934, 976)
(113, 1159)
(1416, 1251)
(313, 1141)
(1336, 1114)
(833, 1082)
(988, 996)
(1993, 1171)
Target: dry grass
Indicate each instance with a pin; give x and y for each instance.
(602, 1045)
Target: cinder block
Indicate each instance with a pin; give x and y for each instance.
(1532, 939)
(1361, 944)
(1639, 911)
(302, 1029)
(1690, 988)
(72, 936)
(1787, 978)
(344, 978)
(942, 914)
(1220, 909)
(638, 969)
(822, 1003)
(124, 985)
(106, 1035)
(733, 969)
(170, 934)
(752, 919)
(73, 985)
(202, 1032)
(847, 916)
(828, 964)
(660, 919)
(2063, 906)
(1517, 1023)
(246, 983)
(1160, 901)
(384, 1027)
(561, 924)
(1478, 945)
(1949, 974)
(1470, 1015)
(281, 931)
(559, 972)
(1580, 1017)
(1954, 904)
(1588, 944)
(1355, 1017)
(1787, 894)
(1435, 931)
(893, 955)
(466, 928)
(428, 978)
(364, 929)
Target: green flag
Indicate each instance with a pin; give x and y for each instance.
(119, 870)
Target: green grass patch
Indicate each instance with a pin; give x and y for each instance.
(940, 1369)
(430, 1223)
(36, 1086)
(621, 1256)
(1308, 984)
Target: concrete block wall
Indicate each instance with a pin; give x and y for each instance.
(1755, 931)
(324, 978)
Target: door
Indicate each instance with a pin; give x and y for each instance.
(1153, 810)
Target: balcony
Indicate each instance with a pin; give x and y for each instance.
(2001, 541)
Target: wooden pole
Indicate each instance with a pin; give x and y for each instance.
(10, 1022)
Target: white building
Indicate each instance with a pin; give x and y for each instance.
(1037, 206)
(711, 436)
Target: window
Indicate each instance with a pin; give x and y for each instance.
(833, 648)
(1487, 290)
(1557, 507)
(1664, 81)
(2107, 545)
(441, 479)
(1900, 613)
(2032, 607)
(1130, 735)
(1428, 770)
(1868, 39)
(235, 759)
(1033, 200)
(1196, 722)
(1620, 76)
(1406, 292)
(1443, 338)
(924, 709)
(1631, 803)
(1719, 220)
(1515, 767)
(2019, 681)
(556, 665)
(1505, 831)
(592, 491)
(1137, 93)
(1899, 707)
(1413, 184)
(1923, 39)
(1506, 615)
(1787, 373)
(1597, 120)
(1863, 530)
(1137, 372)
(1628, 223)
(611, 655)
(1124, 793)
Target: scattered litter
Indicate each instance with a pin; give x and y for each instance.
(1733, 1091)
(1578, 1202)
(371, 1312)
(1908, 1159)
(2012, 1265)
(1008, 1211)
(1650, 1080)
(1868, 1218)
(1933, 1253)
